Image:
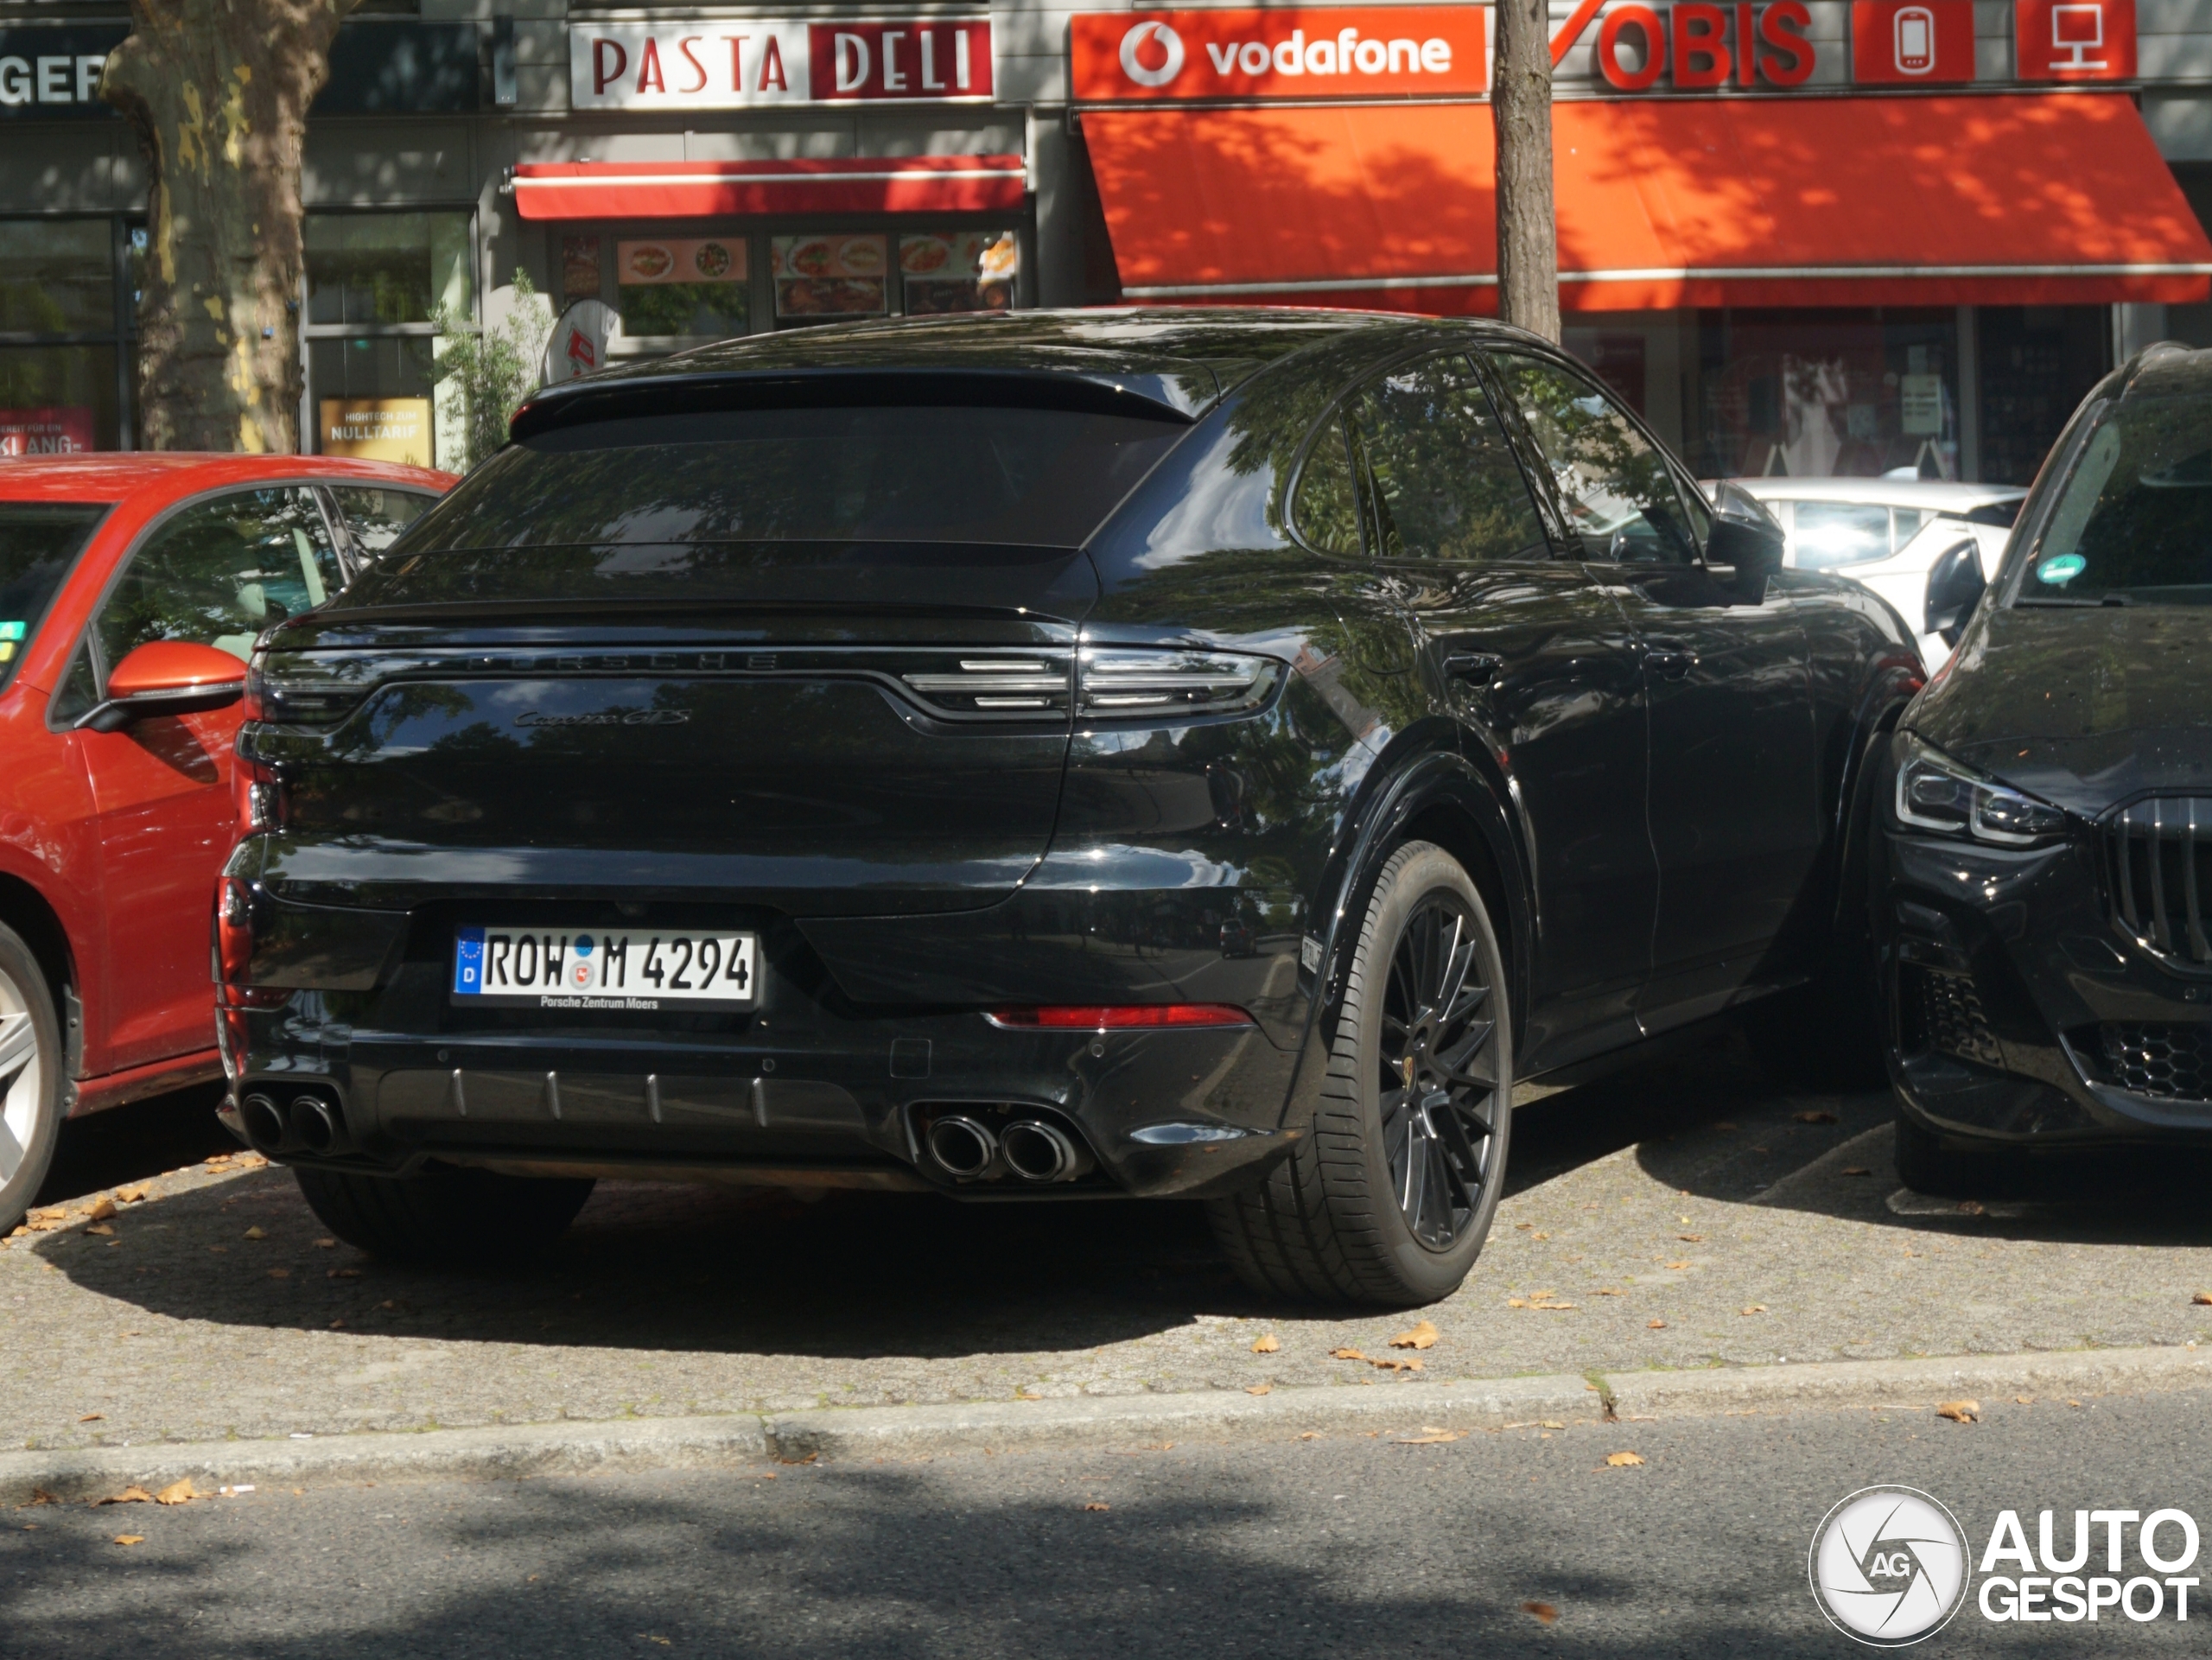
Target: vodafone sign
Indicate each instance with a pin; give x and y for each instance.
(1335, 51)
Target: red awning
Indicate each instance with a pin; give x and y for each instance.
(2009, 199)
(860, 184)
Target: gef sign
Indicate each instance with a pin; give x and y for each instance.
(727, 63)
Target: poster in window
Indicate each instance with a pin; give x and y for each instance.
(959, 271)
(832, 276)
(676, 286)
(49, 431)
(580, 268)
(377, 429)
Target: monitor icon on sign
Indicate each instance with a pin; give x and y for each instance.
(1913, 34)
(2076, 31)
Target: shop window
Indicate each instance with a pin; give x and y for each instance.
(387, 268)
(2038, 363)
(828, 278)
(57, 276)
(958, 270)
(1828, 394)
(693, 288)
(57, 399)
(373, 397)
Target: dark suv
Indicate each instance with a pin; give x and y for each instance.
(2044, 896)
(1182, 754)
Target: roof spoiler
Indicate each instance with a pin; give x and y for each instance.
(620, 397)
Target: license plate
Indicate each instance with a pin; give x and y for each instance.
(623, 968)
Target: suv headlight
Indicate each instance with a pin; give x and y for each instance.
(1935, 792)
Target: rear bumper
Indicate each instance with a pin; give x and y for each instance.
(807, 1098)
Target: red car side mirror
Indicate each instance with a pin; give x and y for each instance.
(167, 677)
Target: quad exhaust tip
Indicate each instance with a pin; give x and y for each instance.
(963, 1149)
(1041, 1152)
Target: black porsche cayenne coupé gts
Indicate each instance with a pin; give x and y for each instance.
(2044, 871)
(1204, 755)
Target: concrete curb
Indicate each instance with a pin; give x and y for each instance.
(510, 1453)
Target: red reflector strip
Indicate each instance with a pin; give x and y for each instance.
(1104, 1017)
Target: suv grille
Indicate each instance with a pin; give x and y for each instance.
(2166, 1062)
(2159, 854)
(1945, 1010)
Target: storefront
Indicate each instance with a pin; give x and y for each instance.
(1801, 235)
(1845, 239)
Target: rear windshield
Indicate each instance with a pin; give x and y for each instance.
(39, 541)
(1036, 478)
(2134, 521)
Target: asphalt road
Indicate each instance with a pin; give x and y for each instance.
(1287, 1549)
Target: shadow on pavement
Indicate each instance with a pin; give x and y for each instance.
(132, 1142)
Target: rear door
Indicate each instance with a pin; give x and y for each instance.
(1535, 662)
(1733, 796)
(216, 572)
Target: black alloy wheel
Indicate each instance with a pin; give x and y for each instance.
(1387, 1199)
(1436, 1080)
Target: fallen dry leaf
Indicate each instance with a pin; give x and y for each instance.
(1605, 1291)
(1430, 1436)
(1857, 1170)
(1755, 1308)
(341, 1273)
(2023, 1399)
(100, 1209)
(1096, 1505)
(1674, 1265)
(1540, 1234)
(1517, 1302)
(2073, 1404)
(2202, 1297)
(1960, 1412)
(132, 1195)
(252, 1161)
(101, 1229)
(1691, 1239)
(1655, 1325)
(1525, 1225)
(51, 1213)
(1543, 1610)
(179, 1492)
(1346, 1354)
(1260, 1389)
(1422, 1336)
(92, 1417)
(256, 1233)
(130, 1538)
(1552, 1305)
(1267, 1344)
(1309, 1434)
(325, 1244)
(1621, 1461)
(1814, 1117)
(1972, 1207)
(133, 1494)
(280, 1274)
(39, 1496)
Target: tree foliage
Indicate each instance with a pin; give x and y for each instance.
(494, 369)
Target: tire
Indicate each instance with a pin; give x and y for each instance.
(1927, 1166)
(31, 1078)
(445, 1217)
(1381, 1205)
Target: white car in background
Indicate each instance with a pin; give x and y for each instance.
(1893, 534)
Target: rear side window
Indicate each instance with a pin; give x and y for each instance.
(1021, 477)
(374, 517)
(1445, 484)
(39, 542)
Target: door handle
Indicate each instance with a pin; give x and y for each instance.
(1477, 668)
(1670, 665)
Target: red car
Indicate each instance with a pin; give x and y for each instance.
(132, 588)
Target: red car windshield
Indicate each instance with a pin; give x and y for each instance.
(39, 541)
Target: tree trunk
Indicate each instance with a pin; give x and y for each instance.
(218, 91)
(1520, 105)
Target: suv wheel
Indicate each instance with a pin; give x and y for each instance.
(1389, 1198)
(445, 1216)
(30, 1079)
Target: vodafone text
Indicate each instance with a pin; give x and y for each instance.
(2046, 1583)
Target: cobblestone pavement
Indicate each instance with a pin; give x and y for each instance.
(1685, 1214)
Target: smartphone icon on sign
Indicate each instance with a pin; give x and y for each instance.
(1915, 38)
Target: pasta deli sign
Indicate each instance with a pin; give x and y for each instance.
(732, 63)
(1337, 52)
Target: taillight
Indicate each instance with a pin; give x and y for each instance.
(1110, 1017)
(1121, 681)
(233, 931)
(256, 793)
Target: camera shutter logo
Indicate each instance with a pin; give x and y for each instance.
(1889, 1566)
(1169, 42)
